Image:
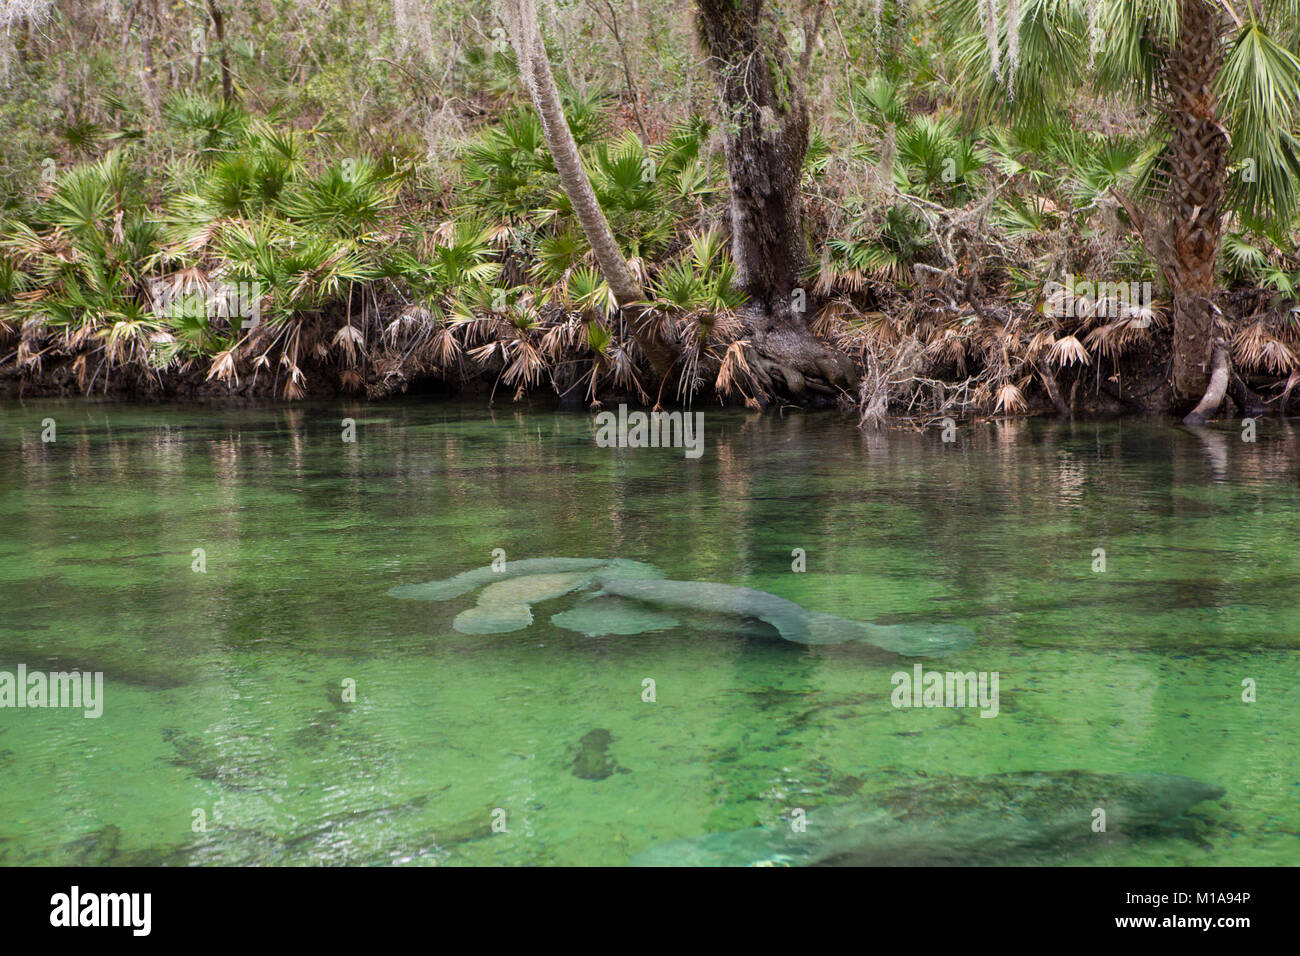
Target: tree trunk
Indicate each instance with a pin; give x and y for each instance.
(1198, 173)
(219, 27)
(520, 17)
(765, 130)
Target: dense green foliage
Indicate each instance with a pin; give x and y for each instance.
(382, 183)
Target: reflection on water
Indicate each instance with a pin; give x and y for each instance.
(280, 707)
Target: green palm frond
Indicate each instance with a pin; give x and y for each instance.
(588, 292)
(214, 124)
(348, 198)
(555, 255)
(1260, 89)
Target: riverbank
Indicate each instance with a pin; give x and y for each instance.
(1137, 384)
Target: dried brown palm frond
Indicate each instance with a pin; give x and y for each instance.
(636, 265)
(1010, 400)
(1256, 347)
(884, 332)
(623, 370)
(29, 356)
(723, 328)
(476, 328)
(1145, 316)
(1067, 351)
(413, 318)
(1057, 304)
(349, 340)
(351, 380)
(200, 238)
(559, 338)
(484, 354)
(90, 327)
(824, 284)
(690, 380)
(500, 235)
(192, 280)
(1115, 338)
(1037, 343)
(445, 348)
(829, 322)
(294, 386)
(654, 322)
(445, 232)
(527, 367)
(949, 348)
(223, 368)
(735, 376)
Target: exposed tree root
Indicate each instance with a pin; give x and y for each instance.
(1218, 387)
(788, 363)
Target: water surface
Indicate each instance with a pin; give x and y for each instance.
(223, 689)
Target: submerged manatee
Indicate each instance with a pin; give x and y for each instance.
(602, 616)
(963, 821)
(593, 761)
(792, 622)
(625, 588)
(507, 605)
(467, 581)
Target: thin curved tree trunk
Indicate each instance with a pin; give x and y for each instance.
(520, 17)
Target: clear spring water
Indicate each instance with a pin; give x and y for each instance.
(222, 689)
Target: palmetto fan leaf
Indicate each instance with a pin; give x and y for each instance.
(1095, 163)
(682, 147)
(555, 255)
(347, 199)
(588, 292)
(87, 196)
(880, 101)
(679, 287)
(1260, 88)
(215, 124)
(1052, 55)
(623, 174)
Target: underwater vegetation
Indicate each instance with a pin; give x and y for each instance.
(997, 818)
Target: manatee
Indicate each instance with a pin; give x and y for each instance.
(961, 821)
(593, 761)
(532, 588)
(612, 615)
(504, 605)
(467, 581)
(791, 621)
(493, 619)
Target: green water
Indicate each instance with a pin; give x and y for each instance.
(223, 689)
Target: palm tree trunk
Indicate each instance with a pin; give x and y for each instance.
(520, 17)
(1198, 161)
